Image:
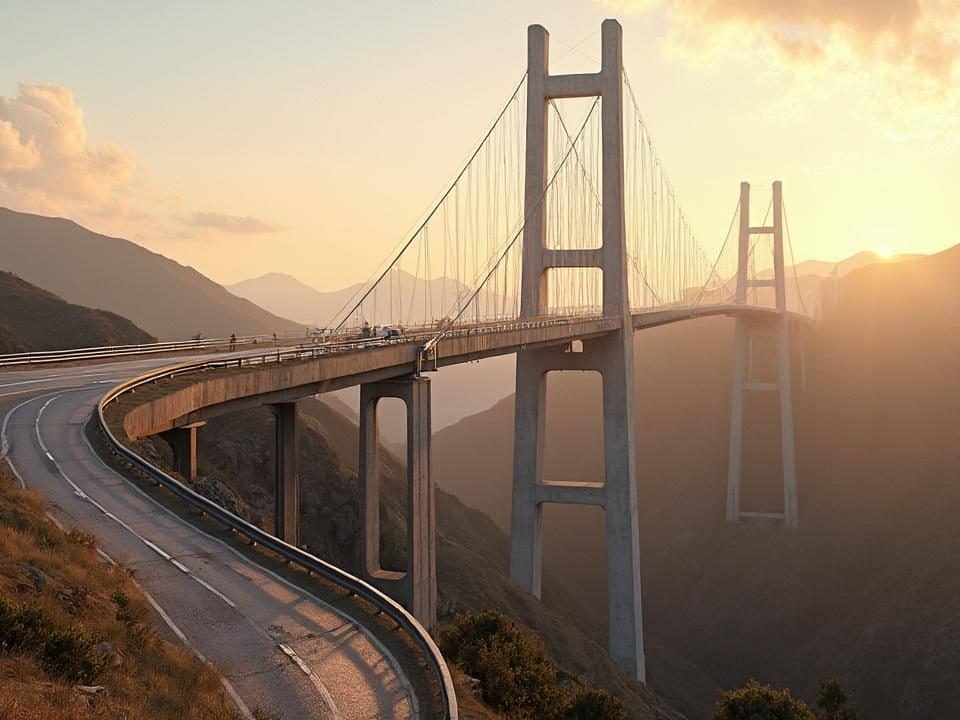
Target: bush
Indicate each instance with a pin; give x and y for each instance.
(833, 703)
(512, 665)
(761, 702)
(21, 626)
(595, 705)
(71, 655)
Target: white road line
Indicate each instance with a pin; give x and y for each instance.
(317, 683)
(63, 376)
(227, 686)
(81, 494)
(212, 589)
(371, 638)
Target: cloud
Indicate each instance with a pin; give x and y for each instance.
(45, 159)
(919, 38)
(232, 224)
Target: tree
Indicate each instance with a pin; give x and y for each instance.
(761, 702)
(834, 703)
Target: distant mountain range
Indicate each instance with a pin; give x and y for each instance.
(33, 319)
(401, 298)
(865, 589)
(159, 295)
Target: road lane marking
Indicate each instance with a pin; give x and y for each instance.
(78, 491)
(227, 685)
(317, 683)
(377, 644)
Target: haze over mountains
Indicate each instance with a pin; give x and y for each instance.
(287, 296)
(866, 589)
(161, 296)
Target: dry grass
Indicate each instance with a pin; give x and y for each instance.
(77, 601)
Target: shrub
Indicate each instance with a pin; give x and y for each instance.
(761, 702)
(595, 705)
(21, 626)
(833, 703)
(71, 655)
(81, 538)
(512, 665)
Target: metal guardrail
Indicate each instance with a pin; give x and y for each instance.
(40, 357)
(355, 585)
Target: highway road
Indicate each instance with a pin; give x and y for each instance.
(276, 646)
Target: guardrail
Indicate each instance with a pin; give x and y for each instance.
(355, 585)
(40, 357)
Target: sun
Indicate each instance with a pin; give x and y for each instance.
(885, 252)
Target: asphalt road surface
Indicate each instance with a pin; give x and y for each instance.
(276, 646)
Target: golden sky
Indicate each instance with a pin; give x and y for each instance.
(309, 138)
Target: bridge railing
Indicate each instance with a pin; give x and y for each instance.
(305, 560)
(41, 357)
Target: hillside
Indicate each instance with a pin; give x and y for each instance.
(866, 589)
(235, 456)
(76, 633)
(161, 296)
(34, 319)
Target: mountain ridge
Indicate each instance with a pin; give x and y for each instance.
(165, 298)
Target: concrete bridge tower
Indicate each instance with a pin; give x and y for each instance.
(746, 328)
(611, 355)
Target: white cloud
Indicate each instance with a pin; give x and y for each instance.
(46, 160)
(897, 60)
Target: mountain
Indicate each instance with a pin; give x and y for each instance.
(866, 589)
(163, 297)
(34, 319)
(236, 467)
(401, 298)
(288, 297)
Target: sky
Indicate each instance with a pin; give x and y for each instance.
(310, 137)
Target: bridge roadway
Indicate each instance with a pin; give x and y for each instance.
(196, 392)
(263, 634)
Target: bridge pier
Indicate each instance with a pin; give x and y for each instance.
(286, 478)
(611, 355)
(743, 383)
(417, 586)
(183, 442)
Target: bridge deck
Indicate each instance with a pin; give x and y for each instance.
(194, 395)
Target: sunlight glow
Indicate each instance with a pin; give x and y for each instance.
(885, 252)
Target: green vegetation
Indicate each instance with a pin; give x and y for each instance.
(76, 639)
(516, 674)
(833, 703)
(761, 702)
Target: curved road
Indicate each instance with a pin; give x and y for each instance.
(276, 646)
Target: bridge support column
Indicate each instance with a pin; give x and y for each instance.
(743, 383)
(286, 478)
(612, 355)
(416, 588)
(183, 442)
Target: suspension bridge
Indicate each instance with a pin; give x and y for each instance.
(560, 237)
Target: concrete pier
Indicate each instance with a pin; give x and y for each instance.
(183, 442)
(744, 333)
(611, 355)
(416, 588)
(286, 477)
